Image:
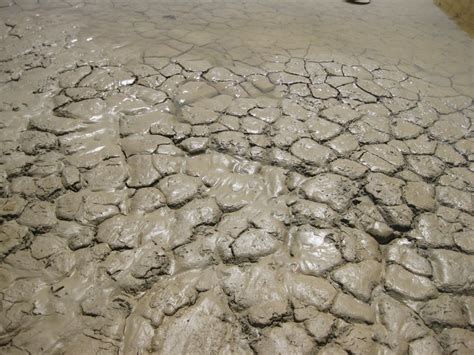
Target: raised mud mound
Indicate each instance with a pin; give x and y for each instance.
(158, 200)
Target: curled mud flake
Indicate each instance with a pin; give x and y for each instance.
(193, 91)
(315, 250)
(322, 130)
(444, 310)
(196, 115)
(262, 83)
(104, 79)
(209, 314)
(310, 291)
(457, 339)
(311, 152)
(38, 215)
(428, 343)
(11, 207)
(334, 190)
(357, 339)
(350, 308)
(195, 145)
(425, 165)
(316, 214)
(151, 263)
(451, 270)
(320, 326)
(254, 244)
(461, 200)
(147, 200)
(179, 188)
(402, 323)
(409, 285)
(140, 144)
(360, 278)
(419, 195)
(348, 168)
(385, 189)
(12, 236)
(288, 338)
(404, 253)
(234, 143)
(323, 91)
(141, 170)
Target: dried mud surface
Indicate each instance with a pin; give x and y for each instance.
(233, 177)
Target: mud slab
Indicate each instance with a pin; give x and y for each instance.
(235, 177)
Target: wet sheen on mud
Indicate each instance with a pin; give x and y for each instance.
(235, 177)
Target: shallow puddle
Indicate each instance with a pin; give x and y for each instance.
(235, 177)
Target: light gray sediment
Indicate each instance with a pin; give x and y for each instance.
(235, 177)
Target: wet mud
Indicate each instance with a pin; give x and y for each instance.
(233, 177)
(462, 11)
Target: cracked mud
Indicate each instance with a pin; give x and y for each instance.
(194, 177)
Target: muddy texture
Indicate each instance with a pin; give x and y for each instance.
(233, 177)
(462, 11)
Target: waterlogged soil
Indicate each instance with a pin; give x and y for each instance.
(235, 177)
